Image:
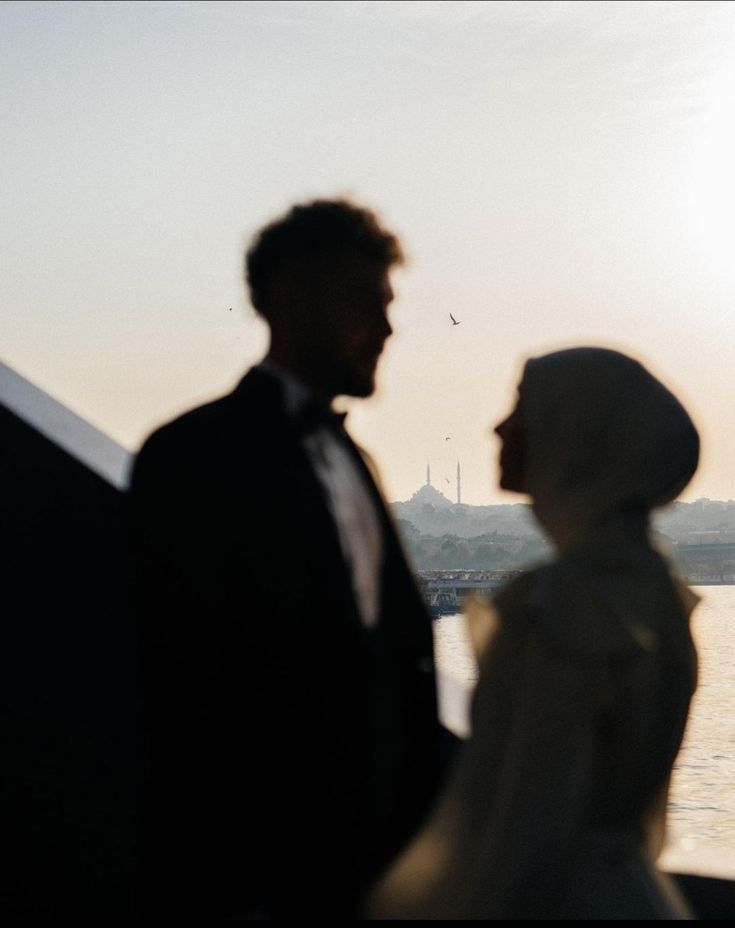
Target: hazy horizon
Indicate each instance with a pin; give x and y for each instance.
(560, 173)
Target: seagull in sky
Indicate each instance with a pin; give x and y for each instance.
(454, 321)
(448, 438)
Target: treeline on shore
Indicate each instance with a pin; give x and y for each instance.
(498, 551)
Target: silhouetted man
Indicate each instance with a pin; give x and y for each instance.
(293, 732)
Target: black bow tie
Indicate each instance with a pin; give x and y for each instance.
(314, 415)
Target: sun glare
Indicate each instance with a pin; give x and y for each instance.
(713, 177)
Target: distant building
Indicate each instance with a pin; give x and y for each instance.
(430, 495)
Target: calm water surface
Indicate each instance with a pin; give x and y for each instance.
(702, 802)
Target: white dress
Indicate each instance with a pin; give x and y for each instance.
(556, 807)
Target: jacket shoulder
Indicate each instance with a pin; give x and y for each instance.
(185, 442)
(215, 428)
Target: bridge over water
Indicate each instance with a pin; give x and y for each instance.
(706, 563)
(444, 590)
(710, 563)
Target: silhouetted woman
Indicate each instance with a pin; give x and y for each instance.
(557, 805)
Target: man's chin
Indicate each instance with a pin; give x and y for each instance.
(365, 390)
(358, 385)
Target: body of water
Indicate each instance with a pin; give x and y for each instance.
(701, 836)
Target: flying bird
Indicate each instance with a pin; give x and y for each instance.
(448, 438)
(230, 309)
(454, 321)
(447, 479)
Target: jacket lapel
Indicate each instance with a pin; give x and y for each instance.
(297, 491)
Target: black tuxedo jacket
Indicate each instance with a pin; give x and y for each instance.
(291, 751)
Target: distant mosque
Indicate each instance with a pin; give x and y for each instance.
(429, 494)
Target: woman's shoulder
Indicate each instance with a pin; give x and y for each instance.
(598, 604)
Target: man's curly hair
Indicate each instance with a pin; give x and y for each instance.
(307, 235)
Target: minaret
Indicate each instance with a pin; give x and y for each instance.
(459, 485)
(428, 475)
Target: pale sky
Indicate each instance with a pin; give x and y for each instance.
(560, 173)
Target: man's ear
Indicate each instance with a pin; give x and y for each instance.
(289, 298)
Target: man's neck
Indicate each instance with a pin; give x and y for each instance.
(286, 366)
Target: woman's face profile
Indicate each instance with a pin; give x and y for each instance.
(512, 455)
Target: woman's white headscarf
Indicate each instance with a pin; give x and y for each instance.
(602, 435)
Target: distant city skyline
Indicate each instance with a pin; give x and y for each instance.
(560, 173)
